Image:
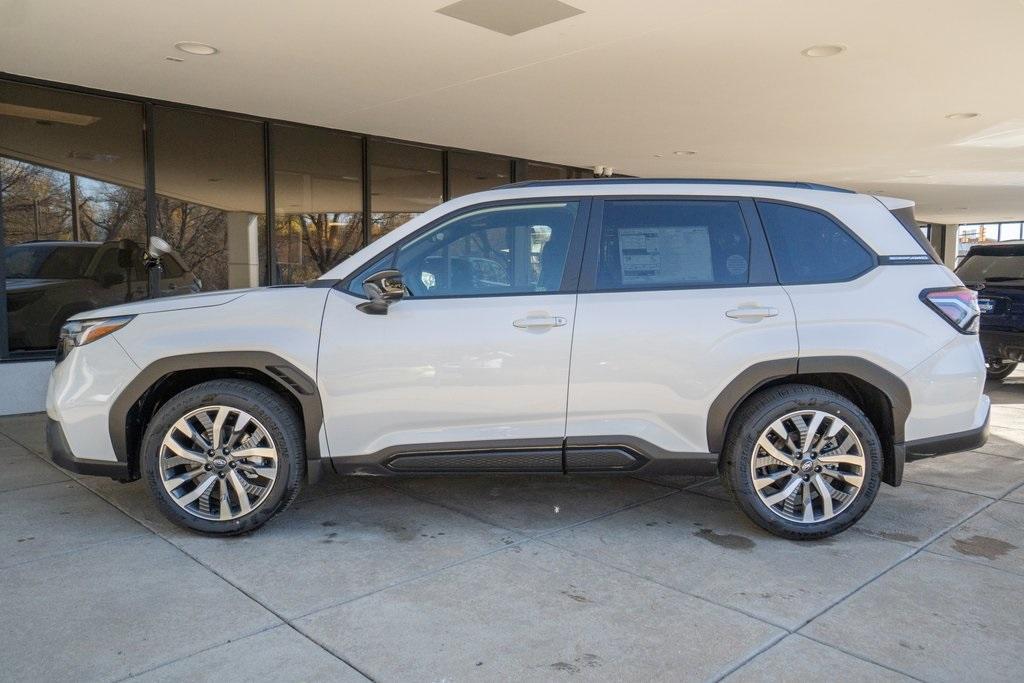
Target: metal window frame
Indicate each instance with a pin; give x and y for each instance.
(517, 170)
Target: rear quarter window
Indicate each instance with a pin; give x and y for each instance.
(809, 247)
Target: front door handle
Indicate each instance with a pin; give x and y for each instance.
(752, 313)
(533, 322)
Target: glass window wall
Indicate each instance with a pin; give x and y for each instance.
(405, 181)
(71, 194)
(318, 200)
(74, 201)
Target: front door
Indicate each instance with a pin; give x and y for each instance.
(475, 358)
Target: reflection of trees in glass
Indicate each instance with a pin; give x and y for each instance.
(383, 223)
(309, 244)
(199, 235)
(111, 212)
(36, 202)
(37, 206)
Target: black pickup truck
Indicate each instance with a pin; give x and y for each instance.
(997, 272)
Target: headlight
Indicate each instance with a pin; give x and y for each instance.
(82, 332)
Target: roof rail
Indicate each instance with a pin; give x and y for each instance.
(677, 181)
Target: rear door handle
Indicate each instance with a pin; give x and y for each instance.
(752, 313)
(537, 322)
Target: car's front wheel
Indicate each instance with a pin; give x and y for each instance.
(223, 457)
(999, 369)
(802, 462)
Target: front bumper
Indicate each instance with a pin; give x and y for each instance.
(947, 443)
(59, 452)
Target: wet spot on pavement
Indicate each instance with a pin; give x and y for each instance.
(983, 546)
(731, 541)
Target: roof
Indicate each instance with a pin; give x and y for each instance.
(677, 181)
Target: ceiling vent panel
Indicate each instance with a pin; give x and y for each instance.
(510, 17)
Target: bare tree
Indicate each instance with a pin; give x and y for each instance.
(199, 235)
(113, 212)
(36, 202)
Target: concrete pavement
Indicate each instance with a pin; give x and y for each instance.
(502, 578)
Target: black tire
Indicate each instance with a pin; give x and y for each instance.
(999, 370)
(755, 416)
(276, 416)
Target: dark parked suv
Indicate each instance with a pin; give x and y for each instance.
(50, 281)
(997, 272)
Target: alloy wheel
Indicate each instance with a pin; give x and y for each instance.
(808, 466)
(218, 463)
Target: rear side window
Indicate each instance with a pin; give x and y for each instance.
(992, 268)
(809, 247)
(672, 243)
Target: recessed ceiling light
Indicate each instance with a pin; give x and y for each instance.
(962, 115)
(823, 50)
(194, 48)
(658, 156)
(684, 153)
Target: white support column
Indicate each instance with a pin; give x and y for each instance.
(949, 244)
(243, 250)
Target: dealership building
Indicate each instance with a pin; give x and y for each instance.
(265, 147)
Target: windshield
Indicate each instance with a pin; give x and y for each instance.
(989, 268)
(47, 261)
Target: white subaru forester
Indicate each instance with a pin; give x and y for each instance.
(801, 340)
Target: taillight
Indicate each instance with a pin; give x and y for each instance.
(956, 305)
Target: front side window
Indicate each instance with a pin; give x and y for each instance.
(518, 249)
(651, 244)
(809, 247)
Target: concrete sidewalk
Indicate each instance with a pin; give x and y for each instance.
(491, 578)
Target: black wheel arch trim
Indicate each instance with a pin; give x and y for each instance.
(760, 374)
(276, 369)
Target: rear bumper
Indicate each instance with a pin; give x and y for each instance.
(1002, 345)
(947, 443)
(59, 452)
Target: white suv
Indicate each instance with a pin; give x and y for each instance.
(800, 340)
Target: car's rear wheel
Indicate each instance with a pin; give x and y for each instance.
(999, 369)
(802, 462)
(223, 457)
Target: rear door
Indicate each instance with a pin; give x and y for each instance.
(678, 296)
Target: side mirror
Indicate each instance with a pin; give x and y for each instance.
(382, 288)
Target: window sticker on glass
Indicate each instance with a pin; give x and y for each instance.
(665, 254)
